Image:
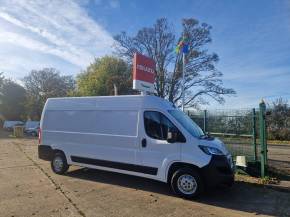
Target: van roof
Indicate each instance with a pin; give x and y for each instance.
(125, 102)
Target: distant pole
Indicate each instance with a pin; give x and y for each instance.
(204, 121)
(263, 141)
(183, 80)
(254, 134)
(115, 90)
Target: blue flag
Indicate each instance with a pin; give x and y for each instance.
(185, 48)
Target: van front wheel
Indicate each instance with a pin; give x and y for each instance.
(187, 183)
(59, 164)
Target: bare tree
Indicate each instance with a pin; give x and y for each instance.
(202, 79)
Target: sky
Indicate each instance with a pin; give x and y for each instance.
(252, 38)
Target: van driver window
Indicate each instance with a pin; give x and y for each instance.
(167, 126)
(158, 125)
(152, 125)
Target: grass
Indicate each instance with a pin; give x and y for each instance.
(244, 177)
(278, 142)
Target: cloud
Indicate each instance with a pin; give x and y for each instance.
(61, 29)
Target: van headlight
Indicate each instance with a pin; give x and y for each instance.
(210, 150)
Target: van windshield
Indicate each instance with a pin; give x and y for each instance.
(187, 123)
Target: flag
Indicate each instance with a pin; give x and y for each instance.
(183, 46)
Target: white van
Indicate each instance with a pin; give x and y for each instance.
(138, 135)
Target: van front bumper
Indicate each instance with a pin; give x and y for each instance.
(218, 172)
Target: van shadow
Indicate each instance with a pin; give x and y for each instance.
(242, 196)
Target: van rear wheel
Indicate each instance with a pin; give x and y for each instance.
(59, 164)
(187, 183)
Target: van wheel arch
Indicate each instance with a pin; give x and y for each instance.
(178, 165)
(58, 151)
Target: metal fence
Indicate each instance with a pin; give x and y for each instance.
(246, 132)
(238, 129)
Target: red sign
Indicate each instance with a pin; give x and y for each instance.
(143, 73)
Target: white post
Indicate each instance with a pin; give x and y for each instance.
(183, 80)
(143, 93)
(115, 90)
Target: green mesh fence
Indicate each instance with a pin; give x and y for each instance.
(233, 127)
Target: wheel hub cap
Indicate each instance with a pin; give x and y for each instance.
(58, 164)
(187, 184)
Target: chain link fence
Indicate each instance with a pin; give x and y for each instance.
(240, 131)
(234, 127)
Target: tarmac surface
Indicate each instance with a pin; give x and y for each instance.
(28, 187)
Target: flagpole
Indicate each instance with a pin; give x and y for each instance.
(183, 80)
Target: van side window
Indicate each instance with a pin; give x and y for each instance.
(167, 126)
(158, 125)
(152, 125)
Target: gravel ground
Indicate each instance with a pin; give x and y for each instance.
(29, 188)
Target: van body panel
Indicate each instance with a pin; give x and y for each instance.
(193, 155)
(103, 147)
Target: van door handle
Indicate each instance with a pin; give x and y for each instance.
(144, 143)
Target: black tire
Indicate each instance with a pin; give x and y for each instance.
(62, 167)
(179, 183)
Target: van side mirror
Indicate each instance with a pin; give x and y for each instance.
(172, 137)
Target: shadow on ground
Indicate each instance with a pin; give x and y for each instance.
(242, 196)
